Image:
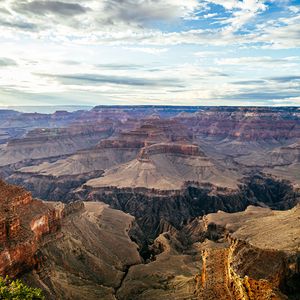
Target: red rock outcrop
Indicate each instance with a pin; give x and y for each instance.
(164, 148)
(23, 223)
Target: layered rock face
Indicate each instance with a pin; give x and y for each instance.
(177, 149)
(23, 221)
(233, 141)
(104, 155)
(83, 251)
(166, 166)
(222, 256)
(254, 266)
(55, 180)
(44, 143)
(246, 123)
(156, 210)
(172, 170)
(74, 251)
(90, 257)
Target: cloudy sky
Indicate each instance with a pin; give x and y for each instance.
(177, 52)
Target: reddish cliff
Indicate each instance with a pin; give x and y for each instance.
(23, 222)
(244, 123)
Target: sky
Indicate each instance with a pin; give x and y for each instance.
(164, 52)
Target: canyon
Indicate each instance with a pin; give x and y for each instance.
(148, 202)
(85, 250)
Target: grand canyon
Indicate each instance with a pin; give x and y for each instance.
(152, 202)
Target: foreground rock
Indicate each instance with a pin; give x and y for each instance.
(256, 255)
(83, 251)
(75, 251)
(249, 255)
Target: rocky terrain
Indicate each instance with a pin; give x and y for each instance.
(75, 251)
(193, 193)
(223, 256)
(83, 250)
(166, 167)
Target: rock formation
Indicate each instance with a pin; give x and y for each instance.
(23, 221)
(45, 143)
(83, 251)
(64, 249)
(167, 173)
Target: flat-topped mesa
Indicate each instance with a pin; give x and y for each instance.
(168, 148)
(156, 131)
(152, 131)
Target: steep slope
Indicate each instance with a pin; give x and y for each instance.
(74, 251)
(83, 251)
(90, 257)
(223, 256)
(260, 263)
(235, 141)
(22, 223)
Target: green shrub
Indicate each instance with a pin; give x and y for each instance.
(16, 290)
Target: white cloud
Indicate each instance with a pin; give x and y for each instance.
(148, 50)
(282, 34)
(207, 16)
(242, 12)
(130, 45)
(254, 61)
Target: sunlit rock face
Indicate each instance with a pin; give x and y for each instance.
(23, 222)
(67, 249)
(39, 241)
(232, 141)
(167, 173)
(253, 264)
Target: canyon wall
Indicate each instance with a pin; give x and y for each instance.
(24, 222)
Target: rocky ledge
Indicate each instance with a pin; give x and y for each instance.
(251, 255)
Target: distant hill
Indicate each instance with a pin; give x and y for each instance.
(47, 109)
